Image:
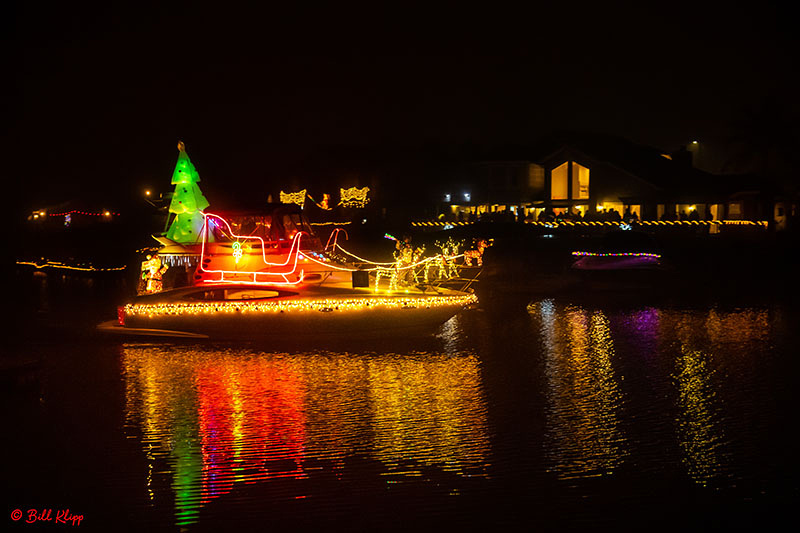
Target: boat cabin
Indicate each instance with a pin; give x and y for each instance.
(276, 225)
(255, 245)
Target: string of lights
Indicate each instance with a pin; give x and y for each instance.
(77, 212)
(62, 266)
(296, 306)
(361, 259)
(616, 254)
(329, 264)
(553, 224)
(412, 265)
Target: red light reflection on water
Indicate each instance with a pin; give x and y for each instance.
(213, 421)
(251, 424)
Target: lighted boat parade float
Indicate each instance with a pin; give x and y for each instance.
(251, 274)
(253, 288)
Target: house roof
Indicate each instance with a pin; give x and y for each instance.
(673, 175)
(644, 162)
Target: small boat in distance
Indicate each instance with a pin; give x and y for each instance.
(623, 260)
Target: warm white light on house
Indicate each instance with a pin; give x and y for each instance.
(559, 184)
(580, 181)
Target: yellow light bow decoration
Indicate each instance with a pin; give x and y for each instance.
(298, 198)
(354, 197)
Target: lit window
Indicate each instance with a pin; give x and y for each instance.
(580, 182)
(559, 184)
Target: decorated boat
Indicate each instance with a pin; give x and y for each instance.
(246, 287)
(623, 260)
(263, 273)
(244, 311)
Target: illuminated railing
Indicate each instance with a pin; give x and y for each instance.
(594, 223)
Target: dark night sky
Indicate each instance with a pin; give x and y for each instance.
(103, 94)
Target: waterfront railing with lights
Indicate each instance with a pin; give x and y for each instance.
(597, 223)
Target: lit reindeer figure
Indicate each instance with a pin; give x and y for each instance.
(416, 261)
(477, 254)
(390, 273)
(447, 260)
(408, 259)
(403, 272)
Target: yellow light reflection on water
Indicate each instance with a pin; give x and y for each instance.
(699, 430)
(701, 363)
(699, 424)
(429, 412)
(583, 437)
(742, 326)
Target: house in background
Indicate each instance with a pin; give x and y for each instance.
(589, 175)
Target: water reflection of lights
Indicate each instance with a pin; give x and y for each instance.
(701, 367)
(451, 333)
(698, 424)
(583, 437)
(211, 419)
(699, 420)
(424, 409)
(742, 326)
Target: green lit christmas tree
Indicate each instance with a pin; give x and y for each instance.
(187, 201)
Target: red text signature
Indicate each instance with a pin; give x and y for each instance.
(62, 516)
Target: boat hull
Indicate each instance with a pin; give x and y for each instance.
(296, 319)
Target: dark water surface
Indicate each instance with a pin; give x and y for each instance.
(573, 414)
